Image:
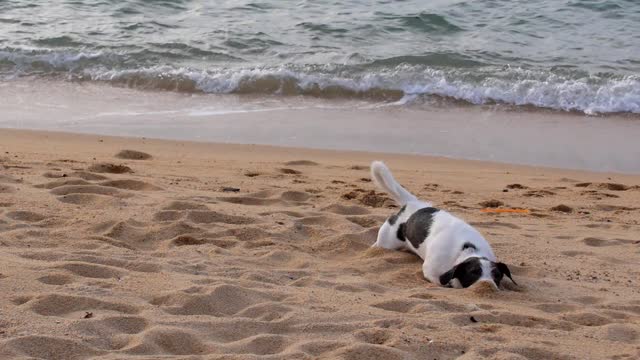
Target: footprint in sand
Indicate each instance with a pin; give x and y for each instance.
(187, 240)
(295, 196)
(596, 242)
(88, 176)
(367, 221)
(138, 236)
(619, 333)
(111, 332)
(263, 344)
(373, 351)
(511, 319)
(6, 189)
(166, 340)
(293, 214)
(133, 155)
(246, 233)
(607, 207)
(83, 175)
(252, 173)
(562, 208)
(287, 198)
(574, 253)
(344, 244)
(554, 308)
(598, 195)
(399, 305)
(130, 185)
(604, 186)
(74, 306)
(138, 264)
(301, 163)
(265, 312)
(110, 168)
(534, 353)
(346, 210)
(176, 210)
(371, 198)
(169, 216)
(320, 220)
(373, 336)
(208, 217)
(62, 182)
(93, 200)
(288, 171)
(185, 205)
(223, 300)
(25, 216)
(317, 348)
(359, 167)
(587, 319)
(89, 270)
(56, 279)
(48, 347)
(86, 189)
(248, 200)
(8, 179)
(538, 193)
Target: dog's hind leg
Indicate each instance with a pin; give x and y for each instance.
(388, 237)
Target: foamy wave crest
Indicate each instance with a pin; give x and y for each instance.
(590, 94)
(28, 60)
(563, 89)
(322, 82)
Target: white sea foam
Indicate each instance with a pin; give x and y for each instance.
(401, 84)
(591, 95)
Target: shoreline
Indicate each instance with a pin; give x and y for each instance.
(272, 152)
(536, 138)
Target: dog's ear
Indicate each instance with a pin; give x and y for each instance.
(448, 276)
(505, 270)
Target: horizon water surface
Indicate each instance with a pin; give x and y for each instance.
(568, 55)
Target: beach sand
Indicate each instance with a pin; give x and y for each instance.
(241, 251)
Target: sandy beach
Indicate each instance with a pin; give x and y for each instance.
(243, 252)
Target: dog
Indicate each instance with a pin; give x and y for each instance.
(455, 254)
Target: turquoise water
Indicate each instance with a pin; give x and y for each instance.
(577, 55)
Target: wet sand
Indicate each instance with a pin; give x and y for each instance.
(494, 133)
(246, 251)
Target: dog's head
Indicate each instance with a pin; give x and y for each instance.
(475, 269)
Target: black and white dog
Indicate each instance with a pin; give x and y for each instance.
(454, 253)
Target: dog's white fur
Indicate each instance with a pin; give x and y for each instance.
(443, 247)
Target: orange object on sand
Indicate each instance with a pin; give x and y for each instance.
(519, 211)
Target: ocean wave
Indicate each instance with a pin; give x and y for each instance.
(591, 95)
(423, 22)
(389, 80)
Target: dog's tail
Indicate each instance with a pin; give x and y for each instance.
(381, 175)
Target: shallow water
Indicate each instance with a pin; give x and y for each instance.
(577, 55)
(546, 138)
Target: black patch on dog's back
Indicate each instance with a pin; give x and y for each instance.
(417, 227)
(393, 218)
(469, 245)
(400, 233)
